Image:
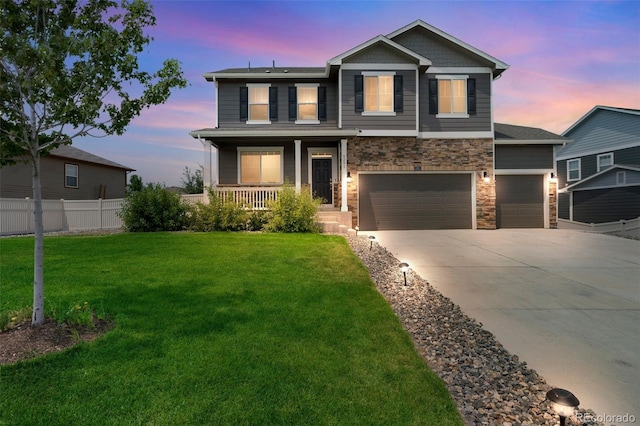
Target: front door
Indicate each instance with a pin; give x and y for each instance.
(321, 179)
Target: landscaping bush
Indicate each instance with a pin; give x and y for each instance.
(220, 215)
(154, 208)
(293, 211)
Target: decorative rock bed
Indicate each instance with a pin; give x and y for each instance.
(489, 385)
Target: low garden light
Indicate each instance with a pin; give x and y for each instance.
(563, 402)
(371, 238)
(404, 267)
(357, 229)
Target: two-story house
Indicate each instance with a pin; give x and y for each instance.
(599, 171)
(396, 133)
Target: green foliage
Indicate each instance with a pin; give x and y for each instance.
(192, 182)
(217, 329)
(135, 184)
(9, 319)
(153, 209)
(293, 211)
(220, 215)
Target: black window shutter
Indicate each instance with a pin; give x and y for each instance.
(359, 92)
(433, 96)
(273, 103)
(471, 96)
(244, 103)
(398, 96)
(322, 103)
(293, 103)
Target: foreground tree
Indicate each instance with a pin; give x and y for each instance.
(192, 182)
(68, 69)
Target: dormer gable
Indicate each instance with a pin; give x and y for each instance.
(379, 46)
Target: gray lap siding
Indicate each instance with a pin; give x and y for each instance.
(481, 121)
(405, 120)
(229, 104)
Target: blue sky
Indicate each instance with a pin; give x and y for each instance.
(565, 58)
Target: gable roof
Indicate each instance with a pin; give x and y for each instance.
(600, 130)
(511, 134)
(421, 60)
(498, 65)
(586, 181)
(73, 153)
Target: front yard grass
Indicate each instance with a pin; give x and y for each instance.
(217, 328)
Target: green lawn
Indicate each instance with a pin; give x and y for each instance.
(217, 328)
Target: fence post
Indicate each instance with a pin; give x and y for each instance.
(30, 213)
(100, 213)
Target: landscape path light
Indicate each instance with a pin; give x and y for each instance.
(404, 267)
(563, 402)
(357, 229)
(371, 238)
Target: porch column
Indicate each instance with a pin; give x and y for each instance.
(207, 172)
(298, 165)
(343, 173)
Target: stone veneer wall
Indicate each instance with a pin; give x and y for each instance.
(553, 205)
(409, 154)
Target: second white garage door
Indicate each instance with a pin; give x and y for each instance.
(414, 201)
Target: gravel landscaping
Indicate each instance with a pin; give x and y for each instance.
(490, 385)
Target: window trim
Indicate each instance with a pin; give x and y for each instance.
(379, 113)
(579, 169)
(261, 149)
(607, 154)
(317, 104)
(67, 175)
(451, 78)
(257, 86)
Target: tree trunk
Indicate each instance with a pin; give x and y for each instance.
(38, 250)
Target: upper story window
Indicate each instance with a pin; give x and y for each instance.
(71, 176)
(573, 169)
(452, 96)
(307, 103)
(258, 103)
(605, 160)
(378, 93)
(262, 165)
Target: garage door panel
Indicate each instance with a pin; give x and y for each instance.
(520, 201)
(414, 201)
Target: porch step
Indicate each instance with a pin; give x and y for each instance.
(334, 221)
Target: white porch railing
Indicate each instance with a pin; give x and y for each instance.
(253, 197)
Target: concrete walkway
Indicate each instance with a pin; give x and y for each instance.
(566, 302)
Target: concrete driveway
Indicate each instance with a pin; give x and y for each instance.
(566, 302)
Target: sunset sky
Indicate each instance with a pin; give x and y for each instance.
(565, 58)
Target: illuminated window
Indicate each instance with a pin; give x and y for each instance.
(452, 96)
(260, 165)
(259, 103)
(605, 160)
(70, 175)
(307, 102)
(573, 169)
(378, 93)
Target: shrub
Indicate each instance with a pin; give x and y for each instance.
(154, 208)
(293, 211)
(220, 215)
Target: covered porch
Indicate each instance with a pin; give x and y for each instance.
(252, 166)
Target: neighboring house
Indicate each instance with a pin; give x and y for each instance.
(396, 133)
(67, 173)
(599, 171)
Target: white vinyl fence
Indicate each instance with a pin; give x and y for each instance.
(16, 215)
(626, 228)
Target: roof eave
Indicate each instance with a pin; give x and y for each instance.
(257, 133)
(530, 142)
